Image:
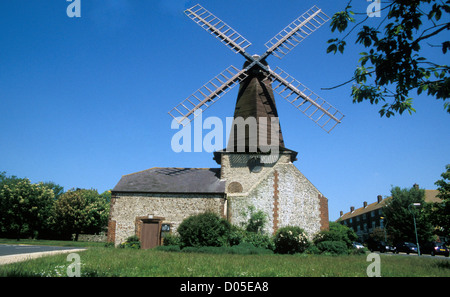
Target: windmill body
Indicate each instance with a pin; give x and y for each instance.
(256, 169)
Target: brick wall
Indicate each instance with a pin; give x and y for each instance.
(324, 220)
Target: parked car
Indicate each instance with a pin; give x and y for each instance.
(357, 245)
(406, 247)
(390, 248)
(379, 246)
(434, 248)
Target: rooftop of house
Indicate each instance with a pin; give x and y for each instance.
(173, 180)
(430, 197)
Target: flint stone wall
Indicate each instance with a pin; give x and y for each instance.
(174, 208)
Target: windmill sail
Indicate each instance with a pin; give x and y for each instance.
(208, 94)
(295, 32)
(305, 100)
(317, 109)
(217, 27)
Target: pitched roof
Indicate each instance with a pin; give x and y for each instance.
(362, 210)
(430, 197)
(173, 180)
(255, 101)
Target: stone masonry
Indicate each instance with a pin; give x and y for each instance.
(280, 190)
(128, 208)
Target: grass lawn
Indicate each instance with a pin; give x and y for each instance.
(101, 261)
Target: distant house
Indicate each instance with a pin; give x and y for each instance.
(365, 219)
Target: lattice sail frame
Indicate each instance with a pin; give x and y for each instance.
(227, 35)
(207, 95)
(305, 100)
(296, 32)
(312, 105)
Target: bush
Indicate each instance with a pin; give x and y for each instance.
(132, 242)
(257, 220)
(312, 250)
(171, 239)
(337, 232)
(258, 240)
(291, 240)
(333, 247)
(206, 229)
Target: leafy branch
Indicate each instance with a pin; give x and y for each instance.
(395, 59)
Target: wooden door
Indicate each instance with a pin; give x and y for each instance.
(150, 235)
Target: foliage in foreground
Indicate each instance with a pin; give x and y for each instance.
(395, 62)
(111, 262)
(208, 233)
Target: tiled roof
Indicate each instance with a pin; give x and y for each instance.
(173, 180)
(362, 210)
(430, 196)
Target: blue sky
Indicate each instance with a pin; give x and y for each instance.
(84, 101)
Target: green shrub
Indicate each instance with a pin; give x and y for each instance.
(312, 250)
(337, 232)
(171, 239)
(109, 244)
(258, 240)
(206, 229)
(358, 251)
(236, 235)
(333, 247)
(257, 220)
(132, 242)
(249, 249)
(291, 240)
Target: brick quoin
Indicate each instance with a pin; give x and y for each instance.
(323, 208)
(111, 236)
(275, 202)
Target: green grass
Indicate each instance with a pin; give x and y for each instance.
(99, 261)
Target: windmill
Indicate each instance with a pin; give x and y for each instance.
(257, 81)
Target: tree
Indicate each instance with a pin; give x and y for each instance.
(337, 232)
(80, 210)
(441, 211)
(399, 213)
(395, 58)
(57, 189)
(24, 207)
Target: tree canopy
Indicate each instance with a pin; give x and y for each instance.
(24, 207)
(399, 212)
(81, 210)
(44, 210)
(394, 63)
(441, 211)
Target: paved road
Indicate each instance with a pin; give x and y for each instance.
(14, 249)
(440, 257)
(10, 253)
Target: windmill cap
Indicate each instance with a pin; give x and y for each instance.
(256, 57)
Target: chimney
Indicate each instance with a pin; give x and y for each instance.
(365, 204)
(379, 198)
(341, 213)
(352, 208)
